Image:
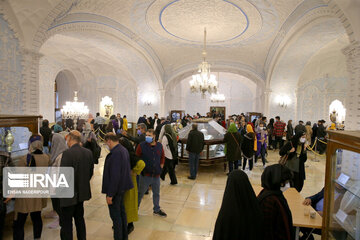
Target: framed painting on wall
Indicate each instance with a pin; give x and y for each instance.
(218, 110)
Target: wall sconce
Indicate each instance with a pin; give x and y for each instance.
(283, 101)
(148, 99)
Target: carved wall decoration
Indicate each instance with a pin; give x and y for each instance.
(11, 68)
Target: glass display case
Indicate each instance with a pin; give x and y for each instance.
(341, 220)
(213, 152)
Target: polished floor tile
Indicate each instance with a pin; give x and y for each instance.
(192, 205)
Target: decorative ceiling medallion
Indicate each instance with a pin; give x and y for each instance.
(184, 20)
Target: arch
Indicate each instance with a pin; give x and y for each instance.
(66, 85)
(236, 68)
(84, 22)
(236, 87)
(339, 108)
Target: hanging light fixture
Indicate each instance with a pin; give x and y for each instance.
(204, 81)
(75, 110)
(217, 97)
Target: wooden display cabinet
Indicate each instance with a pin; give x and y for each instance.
(341, 219)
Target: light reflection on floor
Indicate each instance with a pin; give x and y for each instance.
(192, 206)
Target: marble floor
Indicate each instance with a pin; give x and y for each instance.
(192, 206)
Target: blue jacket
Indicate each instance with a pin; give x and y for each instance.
(316, 198)
(116, 175)
(153, 156)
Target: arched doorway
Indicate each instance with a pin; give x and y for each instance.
(65, 85)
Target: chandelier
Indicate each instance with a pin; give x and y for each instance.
(75, 110)
(217, 97)
(204, 81)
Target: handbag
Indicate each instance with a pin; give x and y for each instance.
(283, 159)
(292, 164)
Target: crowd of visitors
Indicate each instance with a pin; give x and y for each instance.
(136, 164)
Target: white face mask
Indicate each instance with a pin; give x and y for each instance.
(302, 140)
(286, 187)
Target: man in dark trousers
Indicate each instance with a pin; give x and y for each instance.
(152, 153)
(81, 159)
(278, 132)
(194, 145)
(117, 180)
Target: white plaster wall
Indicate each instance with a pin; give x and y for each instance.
(239, 91)
(48, 70)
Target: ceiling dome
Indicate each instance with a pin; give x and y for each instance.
(184, 20)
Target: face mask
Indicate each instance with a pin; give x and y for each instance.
(284, 188)
(302, 140)
(264, 128)
(139, 132)
(148, 139)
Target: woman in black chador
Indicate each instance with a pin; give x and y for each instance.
(240, 216)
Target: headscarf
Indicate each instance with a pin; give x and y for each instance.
(86, 130)
(240, 216)
(261, 131)
(232, 128)
(170, 131)
(58, 146)
(249, 128)
(295, 140)
(271, 180)
(35, 147)
(57, 128)
(274, 175)
(332, 126)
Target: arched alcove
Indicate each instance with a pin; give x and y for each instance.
(66, 84)
(240, 95)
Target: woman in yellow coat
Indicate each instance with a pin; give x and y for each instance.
(125, 123)
(131, 196)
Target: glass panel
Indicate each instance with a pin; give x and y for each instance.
(21, 138)
(215, 151)
(345, 196)
(211, 129)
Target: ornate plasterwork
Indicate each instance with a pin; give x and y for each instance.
(126, 38)
(174, 21)
(184, 20)
(304, 13)
(352, 53)
(11, 68)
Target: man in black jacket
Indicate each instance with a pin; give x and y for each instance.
(300, 127)
(194, 145)
(141, 132)
(321, 134)
(81, 159)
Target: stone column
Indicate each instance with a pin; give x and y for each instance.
(162, 103)
(30, 63)
(352, 105)
(267, 93)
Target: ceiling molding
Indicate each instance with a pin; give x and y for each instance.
(131, 41)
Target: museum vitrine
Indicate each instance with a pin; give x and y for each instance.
(341, 219)
(213, 152)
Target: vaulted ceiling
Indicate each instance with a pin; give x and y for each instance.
(157, 40)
